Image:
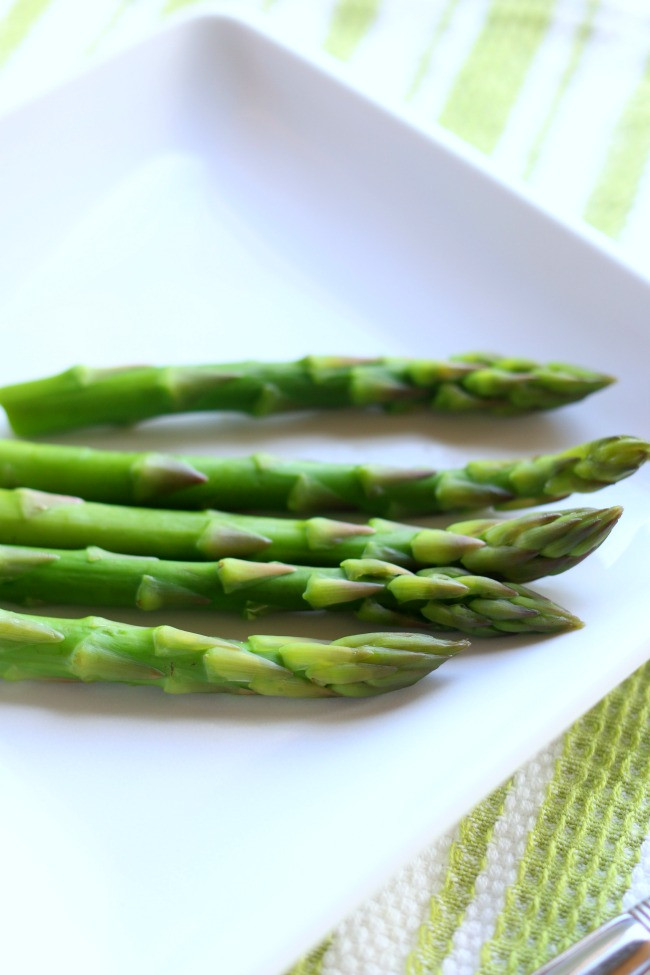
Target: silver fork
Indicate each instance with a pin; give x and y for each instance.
(619, 947)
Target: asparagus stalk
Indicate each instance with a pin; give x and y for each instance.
(83, 396)
(266, 483)
(520, 549)
(376, 591)
(95, 649)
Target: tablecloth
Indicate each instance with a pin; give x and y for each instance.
(557, 92)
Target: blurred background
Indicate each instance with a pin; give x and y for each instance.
(556, 92)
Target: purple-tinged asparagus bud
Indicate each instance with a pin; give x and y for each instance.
(308, 494)
(323, 532)
(159, 474)
(221, 538)
(156, 593)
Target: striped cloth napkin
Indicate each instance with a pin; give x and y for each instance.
(557, 92)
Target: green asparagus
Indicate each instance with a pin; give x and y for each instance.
(520, 549)
(270, 484)
(376, 591)
(83, 396)
(95, 649)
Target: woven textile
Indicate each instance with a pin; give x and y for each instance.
(557, 92)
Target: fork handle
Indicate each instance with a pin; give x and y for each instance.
(619, 947)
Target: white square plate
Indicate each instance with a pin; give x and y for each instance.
(210, 196)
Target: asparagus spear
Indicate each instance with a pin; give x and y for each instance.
(83, 396)
(521, 549)
(377, 591)
(303, 487)
(95, 649)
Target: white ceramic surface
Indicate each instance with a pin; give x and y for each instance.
(211, 196)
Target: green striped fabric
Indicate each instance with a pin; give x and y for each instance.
(442, 24)
(585, 843)
(490, 80)
(582, 35)
(558, 92)
(351, 20)
(467, 858)
(613, 195)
